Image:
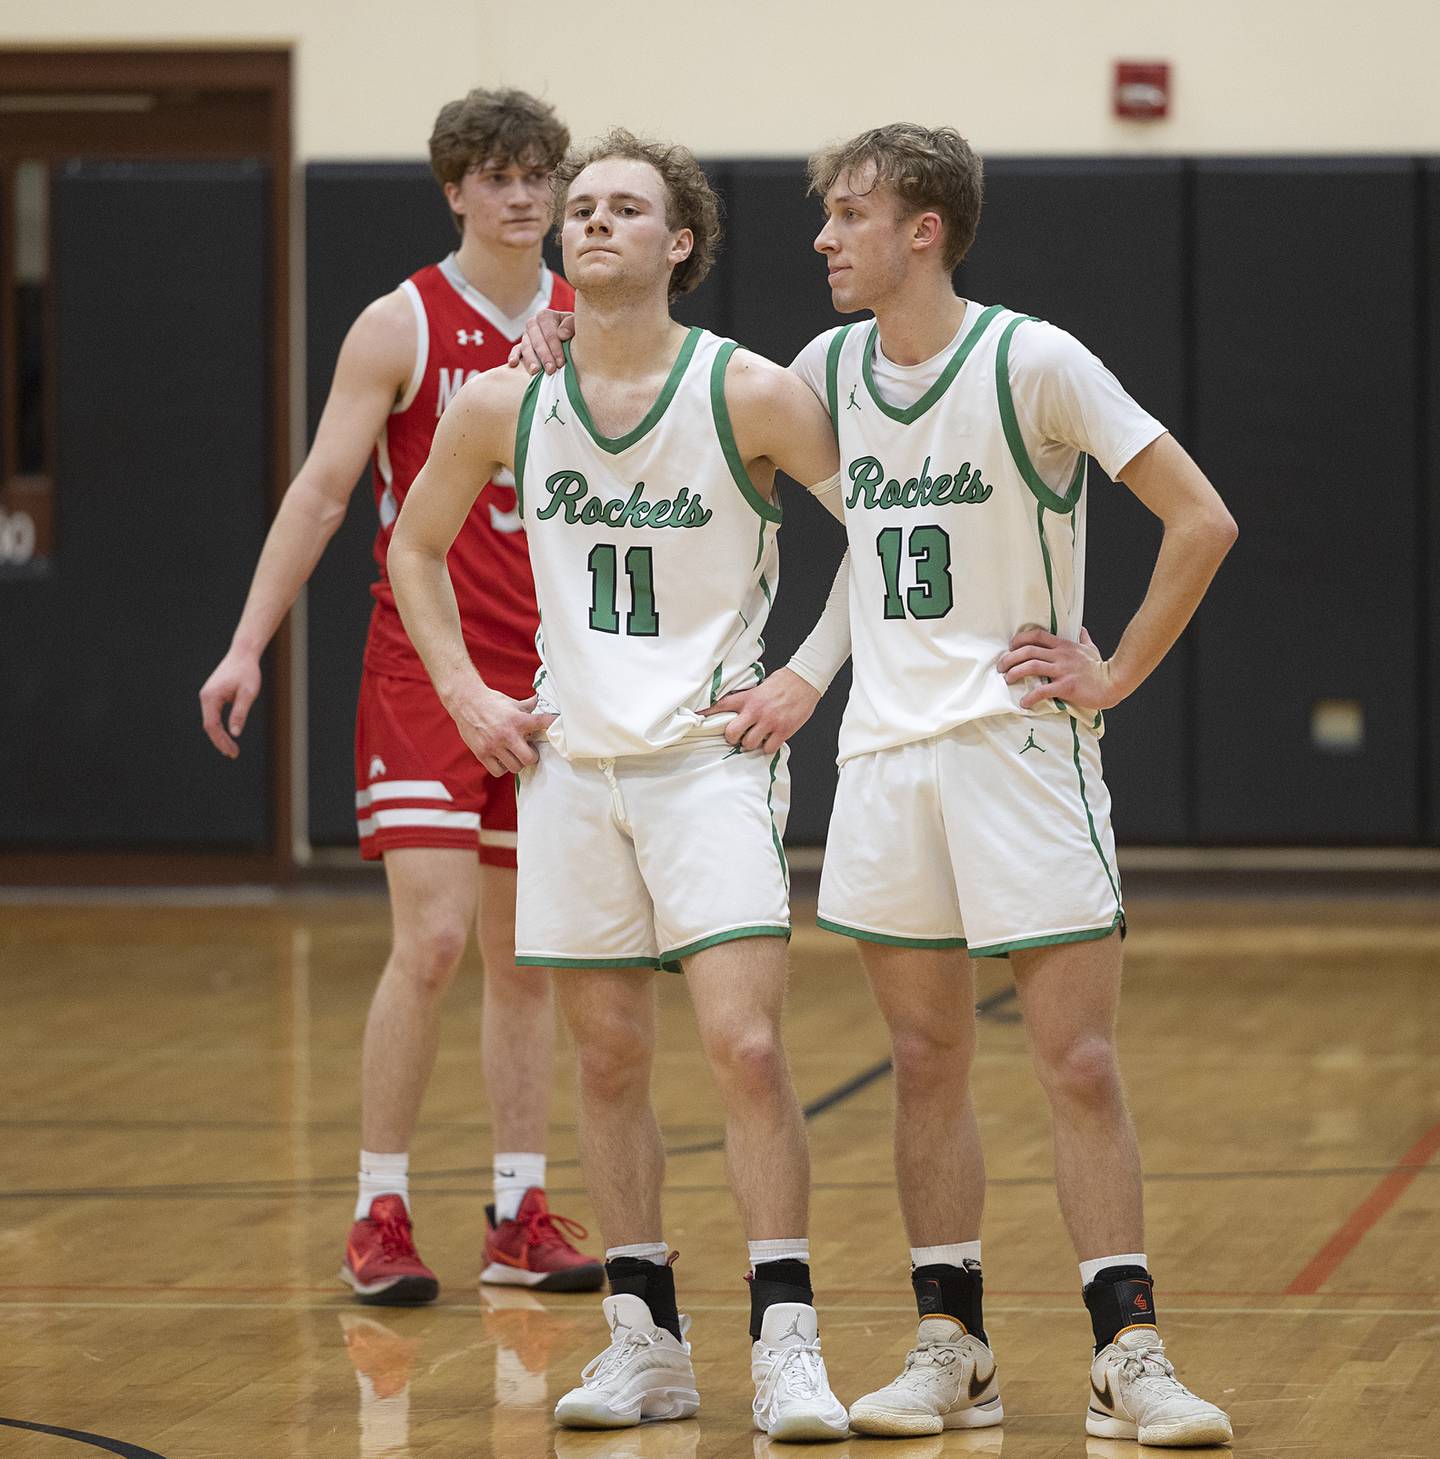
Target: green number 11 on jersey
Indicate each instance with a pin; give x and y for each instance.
(642, 621)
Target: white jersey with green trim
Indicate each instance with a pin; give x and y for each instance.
(655, 558)
(956, 542)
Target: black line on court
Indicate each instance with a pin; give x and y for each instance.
(96, 1441)
(989, 1007)
(253, 1191)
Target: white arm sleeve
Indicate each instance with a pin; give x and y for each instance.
(819, 658)
(829, 495)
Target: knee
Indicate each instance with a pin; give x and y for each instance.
(747, 1059)
(1083, 1073)
(613, 1062)
(930, 1057)
(428, 957)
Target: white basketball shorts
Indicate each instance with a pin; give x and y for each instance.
(993, 836)
(643, 860)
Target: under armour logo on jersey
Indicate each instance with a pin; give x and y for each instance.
(554, 415)
(377, 766)
(854, 404)
(469, 336)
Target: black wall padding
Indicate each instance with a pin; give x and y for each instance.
(1428, 282)
(1098, 248)
(773, 299)
(710, 305)
(779, 302)
(406, 226)
(1305, 417)
(367, 227)
(163, 469)
(1265, 310)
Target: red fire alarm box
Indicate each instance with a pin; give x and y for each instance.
(1142, 89)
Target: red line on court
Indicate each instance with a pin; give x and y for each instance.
(1321, 1266)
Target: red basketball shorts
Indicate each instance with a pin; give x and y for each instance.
(416, 781)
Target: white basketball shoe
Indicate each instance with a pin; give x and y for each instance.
(948, 1382)
(644, 1375)
(792, 1394)
(1134, 1394)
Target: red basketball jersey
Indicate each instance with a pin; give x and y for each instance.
(461, 333)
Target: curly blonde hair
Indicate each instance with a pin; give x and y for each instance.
(924, 167)
(690, 201)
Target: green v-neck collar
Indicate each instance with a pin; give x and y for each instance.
(910, 413)
(615, 444)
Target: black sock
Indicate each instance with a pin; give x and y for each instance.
(653, 1284)
(777, 1281)
(1120, 1297)
(955, 1291)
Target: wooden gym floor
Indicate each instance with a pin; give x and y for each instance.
(179, 1135)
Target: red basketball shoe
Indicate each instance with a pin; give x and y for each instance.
(532, 1250)
(381, 1262)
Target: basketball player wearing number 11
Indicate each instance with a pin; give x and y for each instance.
(645, 477)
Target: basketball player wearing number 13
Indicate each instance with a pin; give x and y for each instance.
(645, 477)
(970, 811)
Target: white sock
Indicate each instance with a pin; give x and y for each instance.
(791, 1248)
(656, 1251)
(382, 1175)
(1089, 1270)
(515, 1172)
(956, 1254)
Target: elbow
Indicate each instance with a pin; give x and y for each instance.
(405, 555)
(397, 554)
(1209, 535)
(1213, 530)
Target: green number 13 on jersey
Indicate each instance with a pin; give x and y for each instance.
(642, 621)
(933, 594)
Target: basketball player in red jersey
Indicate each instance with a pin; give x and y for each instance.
(445, 829)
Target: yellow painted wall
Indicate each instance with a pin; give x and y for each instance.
(758, 77)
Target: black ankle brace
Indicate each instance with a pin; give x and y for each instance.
(777, 1281)
(1120, 1297)
(653, 1284)
(954, 1291)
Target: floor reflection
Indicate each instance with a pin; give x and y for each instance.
(384, 1363)
(675, 1440)
(524, 1332)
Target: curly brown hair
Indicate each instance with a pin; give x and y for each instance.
(933, 168)
(690, 201)
(495, 126)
